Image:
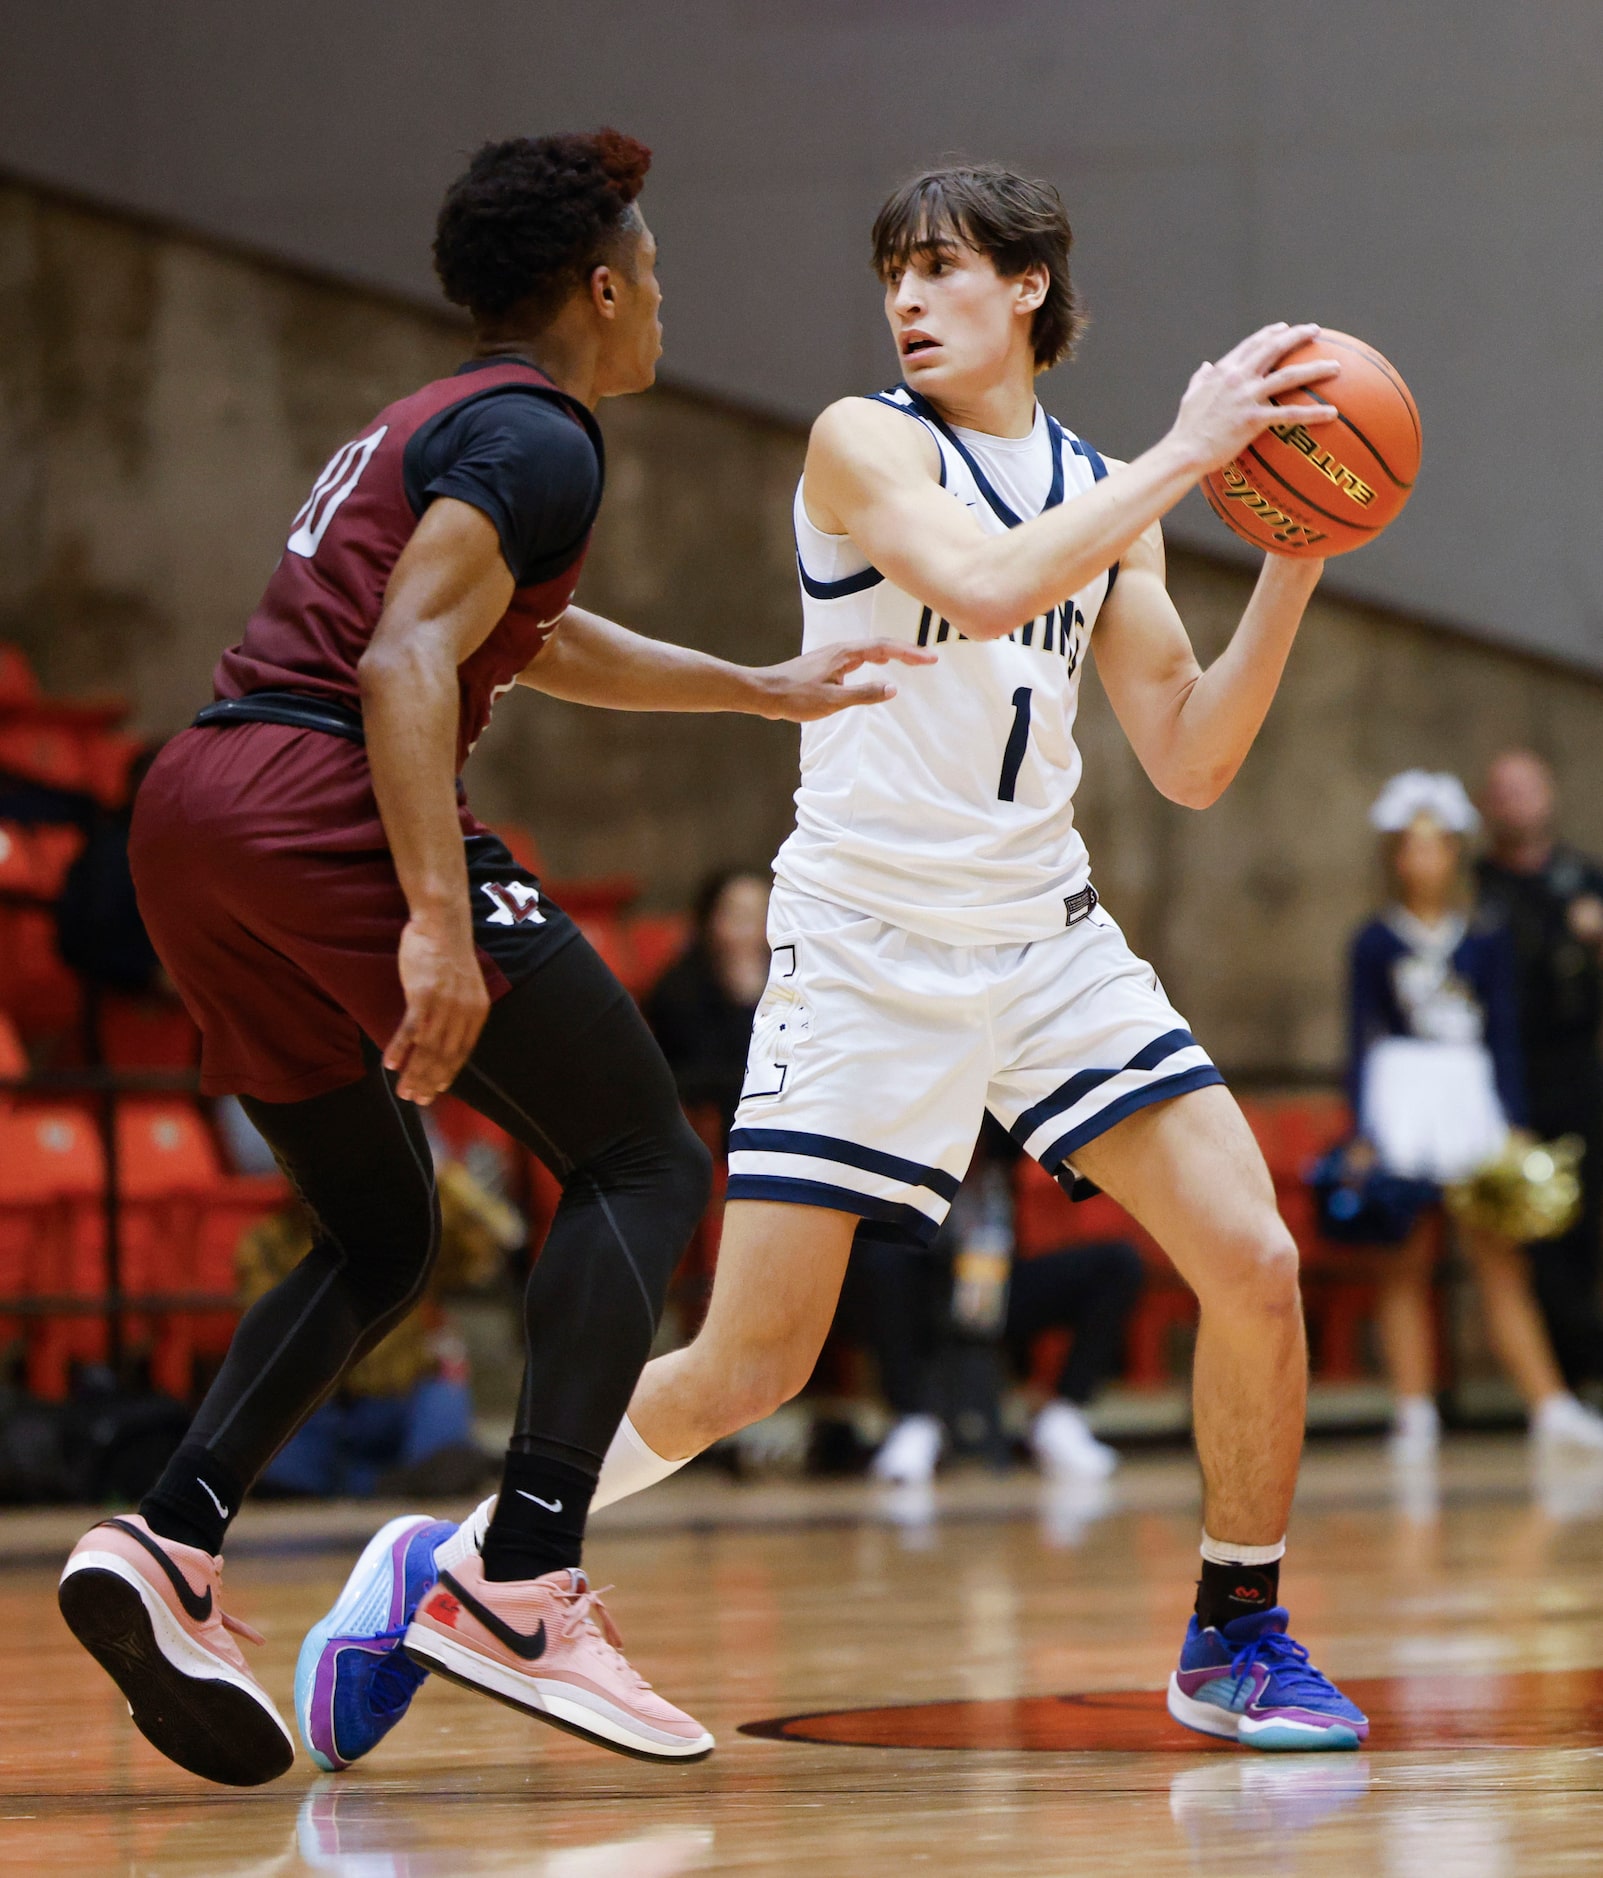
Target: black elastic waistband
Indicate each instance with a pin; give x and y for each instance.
(293, 708)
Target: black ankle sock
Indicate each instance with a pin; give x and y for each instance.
(539, 1519)
(1226, 1592)
(194, 1500)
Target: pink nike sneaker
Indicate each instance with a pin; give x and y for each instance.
(149, 1611)
(547, 1646)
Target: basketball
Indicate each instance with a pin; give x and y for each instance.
(1328, 490)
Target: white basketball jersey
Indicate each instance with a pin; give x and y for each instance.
(949, 811)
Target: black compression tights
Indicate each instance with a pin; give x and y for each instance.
(566, 1065)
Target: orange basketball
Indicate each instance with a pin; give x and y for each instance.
(1329, 489)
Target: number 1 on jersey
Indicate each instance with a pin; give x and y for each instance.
(1018, 741)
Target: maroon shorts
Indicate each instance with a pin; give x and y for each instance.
(266, 883)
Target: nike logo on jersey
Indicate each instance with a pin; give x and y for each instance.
(515, 903)
(197, 1606)
(222, 1511)
(529, 1648)
(551, 1506)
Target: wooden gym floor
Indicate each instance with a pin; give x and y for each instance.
(976, 1675)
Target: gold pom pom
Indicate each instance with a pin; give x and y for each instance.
(1531, 1191)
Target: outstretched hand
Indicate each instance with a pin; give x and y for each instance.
(1232, 400)
(814, 685)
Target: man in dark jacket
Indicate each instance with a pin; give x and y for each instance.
(1551, 897)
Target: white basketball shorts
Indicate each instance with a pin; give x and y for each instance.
(875, 1053)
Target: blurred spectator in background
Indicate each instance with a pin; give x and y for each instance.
(919, 1308)
(99, 931)
(702, 1007)
(1551, 899)
(1436, 1083)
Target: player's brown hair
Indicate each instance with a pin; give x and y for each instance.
(530, 217)
(1018, 221)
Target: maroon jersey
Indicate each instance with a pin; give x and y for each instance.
(322, 604)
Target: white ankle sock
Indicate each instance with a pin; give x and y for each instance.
(1226, 1552)
(467, 1539)
(630, 1467)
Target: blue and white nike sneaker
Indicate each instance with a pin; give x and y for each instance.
(1249, 1682)
(353, 1681)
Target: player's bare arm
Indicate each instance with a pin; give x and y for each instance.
(1190, 728)
(591, 660)
(873, 476)
(449, 588)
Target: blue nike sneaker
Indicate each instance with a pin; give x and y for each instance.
(353, 1681)
(1248, 1682)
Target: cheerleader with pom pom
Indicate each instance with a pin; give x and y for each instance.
(1436, 1085)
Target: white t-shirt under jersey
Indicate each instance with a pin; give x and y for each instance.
(950, 810)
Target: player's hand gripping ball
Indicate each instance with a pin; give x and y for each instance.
(1314, 493)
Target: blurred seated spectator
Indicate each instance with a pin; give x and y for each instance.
(402, 1420)
(920, 1308)
(99, 931)
(702, 1007)
(1550, 896)
(1436, 1083)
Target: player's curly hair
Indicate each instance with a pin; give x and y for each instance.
(1019, 221)
(529, 218)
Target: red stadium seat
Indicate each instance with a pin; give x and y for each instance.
(234, 1205)
(52, 1182)
(180, 1221)
(168, 1167)
(17, 869)
(56, 845)
(153, 1033)
(42, 995)
(657, 940)
(18, 685)
(40, 751)
(598, 907)
(522, 846)
(13, 1062)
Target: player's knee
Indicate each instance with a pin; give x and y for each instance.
(745, 1385)
(1253, 1268)
(665, 1162)
(390, 1274)
(681, 1192)
(766, 1387)
(687, 1174)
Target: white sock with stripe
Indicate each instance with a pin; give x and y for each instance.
(1225, 1552)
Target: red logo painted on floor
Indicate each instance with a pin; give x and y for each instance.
(1548, 1709)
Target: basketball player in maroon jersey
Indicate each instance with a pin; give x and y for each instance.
(353, 942)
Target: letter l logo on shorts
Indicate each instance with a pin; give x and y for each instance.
(515, 903)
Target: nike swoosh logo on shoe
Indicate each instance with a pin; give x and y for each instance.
(551, 1506)
(197, 1606)
(529, 1648)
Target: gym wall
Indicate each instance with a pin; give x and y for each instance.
(165, 404)
(1422, 174)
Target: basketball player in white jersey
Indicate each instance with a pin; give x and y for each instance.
(938, 949)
